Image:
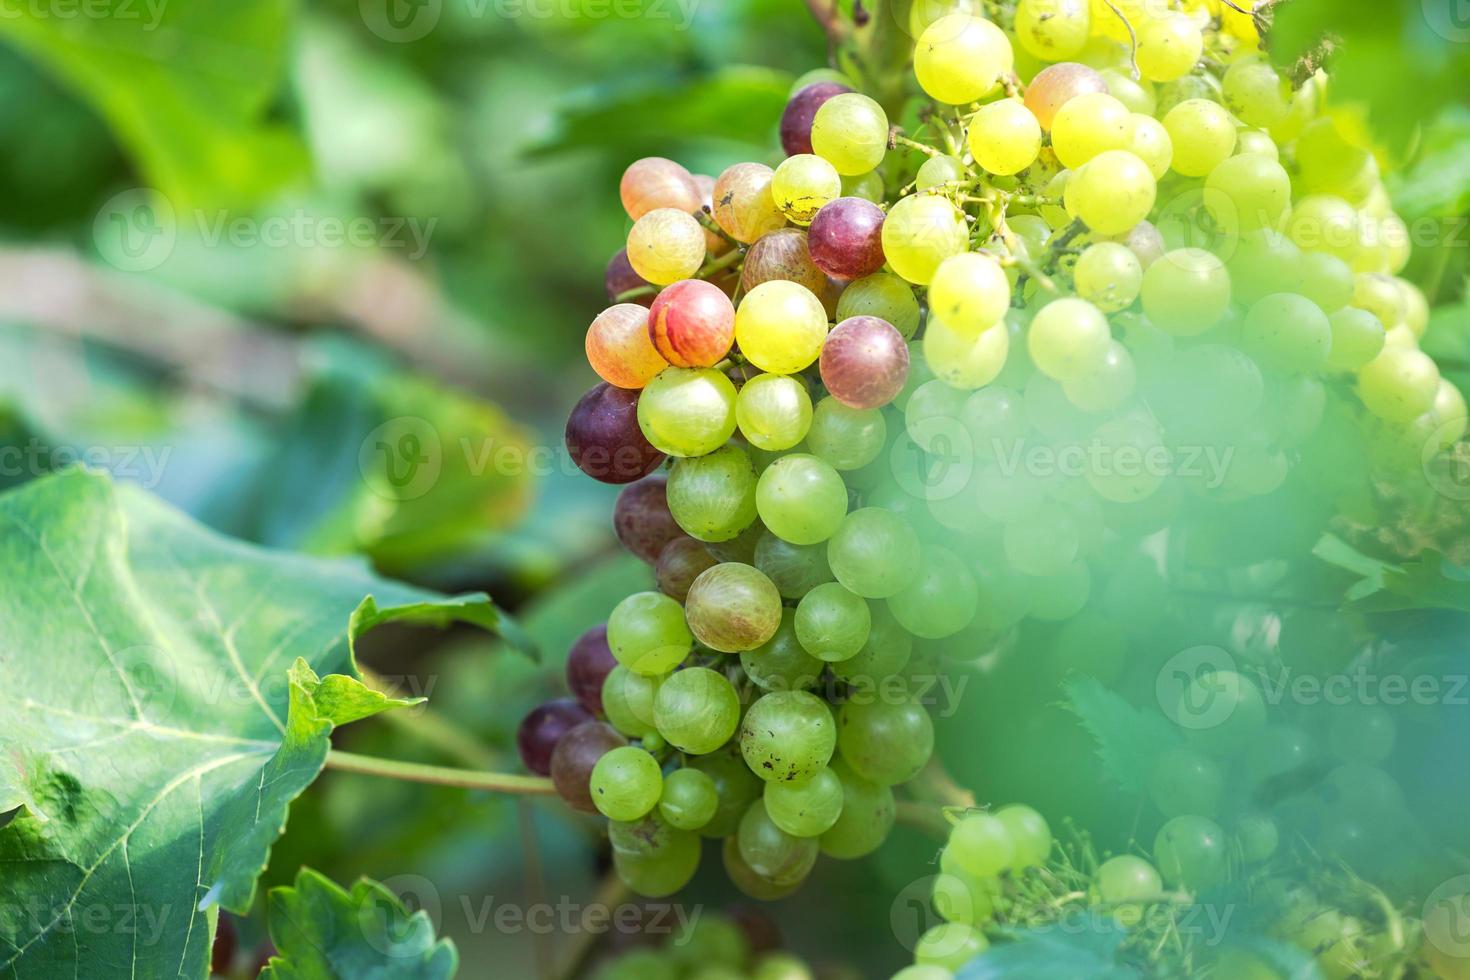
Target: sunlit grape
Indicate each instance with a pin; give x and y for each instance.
(850, 131)
(619, 348)
(1203, 135)
(960, 58)
(796, 119)
(1057, 85)
(1053, 30)
(846, 238)
(653, 183)
(697, 710)
(802, 184)
(1005, 137)
(665, 246)
(1112, 192)
(712, 497)
(1168, 47)
(743, 205)
(1186, 292)
(692, 324)
(773, 411)
(920, 232)
(1087, 125)
(688, 411)
(780, 327)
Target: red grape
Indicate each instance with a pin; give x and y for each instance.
(619, 348)
(604, 439)
(543, 728)
(692, 324)
(575, 756)
(796, 121)
(653, 183)
(679, 564)
(642, 520)
(620, 277)
(865, 362)
(1058, 84)
(783, 255)
(588, 664)
(846, 238)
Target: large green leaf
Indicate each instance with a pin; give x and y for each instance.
(160, 707)
(323, 932)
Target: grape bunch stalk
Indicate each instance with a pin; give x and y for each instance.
(938, 374)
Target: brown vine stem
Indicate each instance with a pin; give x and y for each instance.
(414, 772)
(829, 18)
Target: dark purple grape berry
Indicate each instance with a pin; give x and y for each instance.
(679, 564)
(642, 521)
(226, 946)
(575, 756)
(604, 439)
(620, 277)
(865, 362)
(846, 238)
(543, 728)
(796, 121)
(588, 664)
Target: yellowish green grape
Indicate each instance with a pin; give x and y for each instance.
(1186, 292)
(1106, 387)
(961, 362)
(1005, 137)
(1249, 190)
(867, 816)
(850, 132)
(884, 740)
(970, 293)
(874, 554)
(687, 411)
(801, 499)
(1149, 141)
(847, 438)
(949, 945)
(1109, 276)
(712, 497)
(808, 807)
(1112, 192)
(1053, 30)
(884, 296)
(960, 58)
(647, 633)
(1088, 125)
(1068, 339)
(801, 186)
(780, 327)
(626, 783)
(773, 411)
(788, 735)
(1256, 93)
(939, 170)
(1399, 384)
(832, 624)
(1168, 47)
(689, 799)
(696, 710)
(665, 246)
(1203, 135)
(921, 231)
(942, 598)
(1357, 338)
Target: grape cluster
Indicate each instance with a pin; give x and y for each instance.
(918, 384)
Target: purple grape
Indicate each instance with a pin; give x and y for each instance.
(865, 362)
(588, 663)
(796, 121)
(642, 520)
(604, 439)
(680, 564)
(543, 728)
(782, 255)
(575, 756)
(620, 277)
(846, 238)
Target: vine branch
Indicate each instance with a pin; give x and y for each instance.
(414, 772)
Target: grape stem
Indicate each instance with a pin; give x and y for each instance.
(829, 18)
(414, 772)
(895, 141)
(1132, 37)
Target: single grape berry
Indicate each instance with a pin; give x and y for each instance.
(864, 362)
(588, 664)
(692, 324)
(543, 728)
(796, 120)
(642, 521)
(846, 238)
(576, 756)
(604, 439)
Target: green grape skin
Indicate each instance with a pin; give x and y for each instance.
(652, 858)
(1380, 295)
(1030, 835)
(832, 624)
(888, 743)
(736, 786)
(780, 327)
(783, 663)
(712, 497)
(1112, 192)
(1249, 191)
(733, 607)
(1109, 386)
(962, 362)
(1149, 141)
(1190, 852)
(1004, 137)
(801, 499)
(1068, 339)
(615, 704)
(647, 633)
(773, 412)
(941, 600)
(1399, 385)
(1184, 781)
(1088, 125)
(884, 296)
(1203, 135)
(874, 553)
(884, 655)
(960, 58)
(1125, 879)
(626, 783)
(1186, 292)
(639, 690)
(1257, 837)
(787, 736)
(807, 808)
(868, 186)
(847, 438)
(696, 710)
(949, 945)
(850, 131)
(1256, 93)
(1287, 333)
(980, 845)
(1168, 47)
(772, 853)
(868, 814)
(744, 878)
(959, 897)
(939, 170)
(689, 799)
(1323, 223)
(795, 569)
(1109, 276)
(921, 231)
(1265, 262)
(687, 411)
(1257, 141)
(802, 185)
(1053, 30)
(1137, 94)
(969, 293)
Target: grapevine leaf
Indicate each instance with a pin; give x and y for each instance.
(1433, 582)
(322, 932)
(1128, 739)
(1336, 551)
(1082, 947)
(165, 693)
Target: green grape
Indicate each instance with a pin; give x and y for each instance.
(1257, 837)
(647, 633)
(1248, 190)
(773, 412)
(874, 553)
(831, 623)
(964, 362)
(808, 807)
(665, 246)
(802, 185)
(1265, 262)
(801, 499)
(712, 939)
(950, 945)
(1056, 215)
(920, 232)
(1168, 47)
(697, 710)
(1323, 223)
(732, 607)
(884, 296)
(741, 875)
(795, 569)
(1127, 439)
(772, 853)
(1149, 141)
(639, 690)
(868, 812)
(868, 186)
(713, 497)
(1126, 879)
(1068, 339)
(1053, 30)
(960, 58)
(1186, 292)
(1190, 852)
(1184, 781)
(1288, 333)
(780, 327)
(1257, 141)
(736, 785)
(884, 655)
(887, 742)
(850, 131)
(1112, 192)
(970, 293)
(1381, 296)
(781, 966)
(639, 964)
(939, 170)
(787, 735)
(847, 438)
(1137, 94)
(615, 704)
(1088, 125)
(1256, 93)
(626, 783)
(995, 419)
(1203, 135)
(1109, 276)
(921, 971)
(959, 897)
(1029, 833)
(1044, 543)
(941, 600)
(1416, 307)
(1005, 137)
(782, 664)
(689, 799)
(981, 845)
(687, 411)
(652, 858)
(1399, 385)
(1033, 231)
